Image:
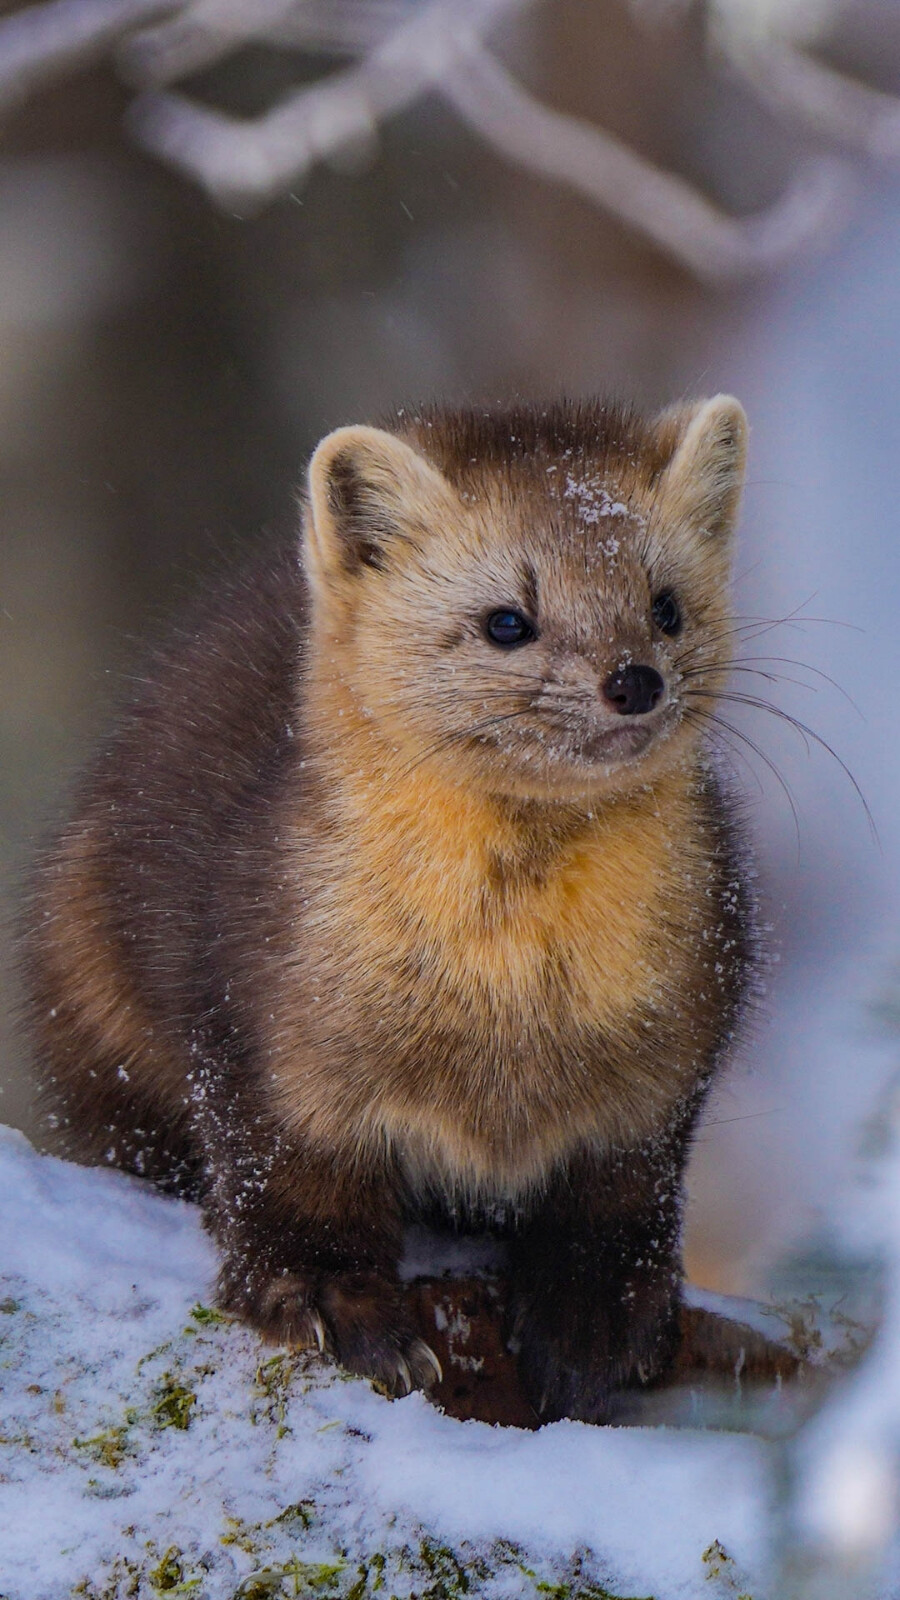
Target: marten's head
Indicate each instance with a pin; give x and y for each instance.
(522, 599)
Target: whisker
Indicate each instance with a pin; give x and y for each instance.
(456, 735)
(745, 1116)
(794, 617)
(744, 664)
(757, 627)
(794, 620)
(756, 672)
(720, 742)
(760, 705)
(789, 661)
(710, 716)
(741, 577)
(704, 645)
(806, 733)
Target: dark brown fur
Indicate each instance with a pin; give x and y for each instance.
(207, 1012)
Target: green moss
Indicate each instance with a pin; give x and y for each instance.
(274, 1379)
(575, 1587)
(431, 1571)
(127, 1579)
(449, 1578)
(173, 1404)
(304, 1578)
(243, 1534)
(153, 1355)
(369, 1577)
(20, 1441)
(721, 1566)
(122, 1583)
(206, 1314)
(320, 1575)
(8, 1307)
(262, 1585)
(301, 1514)
(169, 1576)
(580, 1591)
(109, 1447)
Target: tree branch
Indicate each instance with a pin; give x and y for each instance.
(44, 42)
(245, 163)
(793, 84)
(206, 30)
(400, 50)
(661, 206)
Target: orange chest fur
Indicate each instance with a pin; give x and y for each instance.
(499, 918)
(465, 976)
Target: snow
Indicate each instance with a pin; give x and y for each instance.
(849, 1456)
(648, 1501)
(148, 1442)
(149, 1445)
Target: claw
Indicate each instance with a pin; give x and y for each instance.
(318, 1328)
(422, 1352)
(403, 1376)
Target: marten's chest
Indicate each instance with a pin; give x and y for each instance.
(491, 934)
(478, 1006)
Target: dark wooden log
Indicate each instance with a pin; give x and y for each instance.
(462, 1320)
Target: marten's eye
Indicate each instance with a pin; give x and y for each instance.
(508, 628)
(667, 613)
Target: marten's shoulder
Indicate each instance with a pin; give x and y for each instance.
(205, 714)
(226, 669)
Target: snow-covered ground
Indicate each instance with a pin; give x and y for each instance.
(141, 1435)
(151, 1447)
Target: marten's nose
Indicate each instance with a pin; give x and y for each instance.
(632, 691)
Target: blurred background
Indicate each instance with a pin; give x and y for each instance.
(227, 228)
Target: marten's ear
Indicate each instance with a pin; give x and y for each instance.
(703, 480)
(368, 492)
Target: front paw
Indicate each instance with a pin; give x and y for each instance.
(577, 1354)
(356, 1317)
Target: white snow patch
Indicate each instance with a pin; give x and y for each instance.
(847, 1460)
(145, 1441)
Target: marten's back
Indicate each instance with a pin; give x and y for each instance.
(123, 903)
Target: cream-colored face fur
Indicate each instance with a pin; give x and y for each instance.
(407, 567)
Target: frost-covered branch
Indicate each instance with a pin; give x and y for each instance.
(794, 84)
(240, 161)
(43, 42)
(206, 30)
(663, 207)
(397, 51)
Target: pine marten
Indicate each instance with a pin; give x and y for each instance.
(405, 886)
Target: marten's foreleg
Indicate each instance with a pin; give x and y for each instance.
(596, 1279)
(311, 1241)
